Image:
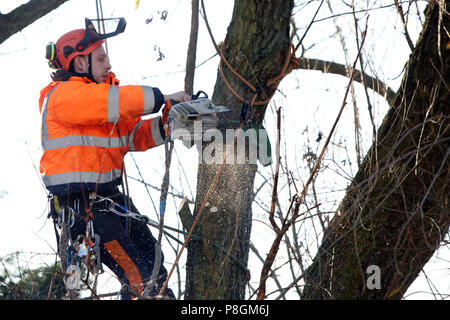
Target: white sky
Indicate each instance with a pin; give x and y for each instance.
(308, 99)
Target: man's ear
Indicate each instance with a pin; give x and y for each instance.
(80, 64)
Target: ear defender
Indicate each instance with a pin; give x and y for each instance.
(50, 55)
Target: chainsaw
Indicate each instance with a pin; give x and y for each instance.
(189, 120)
(186, 117)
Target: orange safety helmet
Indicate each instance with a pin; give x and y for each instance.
(77, 42)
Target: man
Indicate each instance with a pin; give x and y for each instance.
(89, 123)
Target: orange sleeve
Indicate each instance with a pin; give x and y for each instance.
(146, 134)
(80, 103)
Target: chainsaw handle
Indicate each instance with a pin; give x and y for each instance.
(165, 112)
(197, 95)
(170, 102)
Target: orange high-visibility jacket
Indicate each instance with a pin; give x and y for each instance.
(87, 128)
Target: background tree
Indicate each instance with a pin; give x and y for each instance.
(18, 282)
(396, 211)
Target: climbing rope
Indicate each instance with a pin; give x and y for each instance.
(290, 64)
(168, 147)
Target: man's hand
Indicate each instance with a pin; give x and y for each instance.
(170, 100)
(180, 96)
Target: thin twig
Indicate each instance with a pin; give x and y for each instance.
(405, 22)
(277, 169)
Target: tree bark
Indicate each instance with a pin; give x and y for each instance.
(25, 15)
(256, 46)
(396, 211)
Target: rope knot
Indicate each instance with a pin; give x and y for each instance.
(291, 63)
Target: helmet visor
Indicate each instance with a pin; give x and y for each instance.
(91, 35)
(110, 26)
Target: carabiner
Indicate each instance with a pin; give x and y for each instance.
(62, 216)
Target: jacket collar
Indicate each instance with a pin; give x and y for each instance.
(63, 75)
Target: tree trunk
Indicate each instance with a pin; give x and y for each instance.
(256, 46)
(396, 211)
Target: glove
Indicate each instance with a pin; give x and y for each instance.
(170, 100)
(165, 112)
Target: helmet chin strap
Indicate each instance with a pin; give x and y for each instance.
(90, 65)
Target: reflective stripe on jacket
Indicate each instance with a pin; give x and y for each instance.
(87, 128)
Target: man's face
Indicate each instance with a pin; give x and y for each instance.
(100, 64)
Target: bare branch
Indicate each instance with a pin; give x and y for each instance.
(340, 69)
(405, 22)
(192, 50)
(25, 15)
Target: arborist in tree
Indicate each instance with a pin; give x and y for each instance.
(89, 123)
